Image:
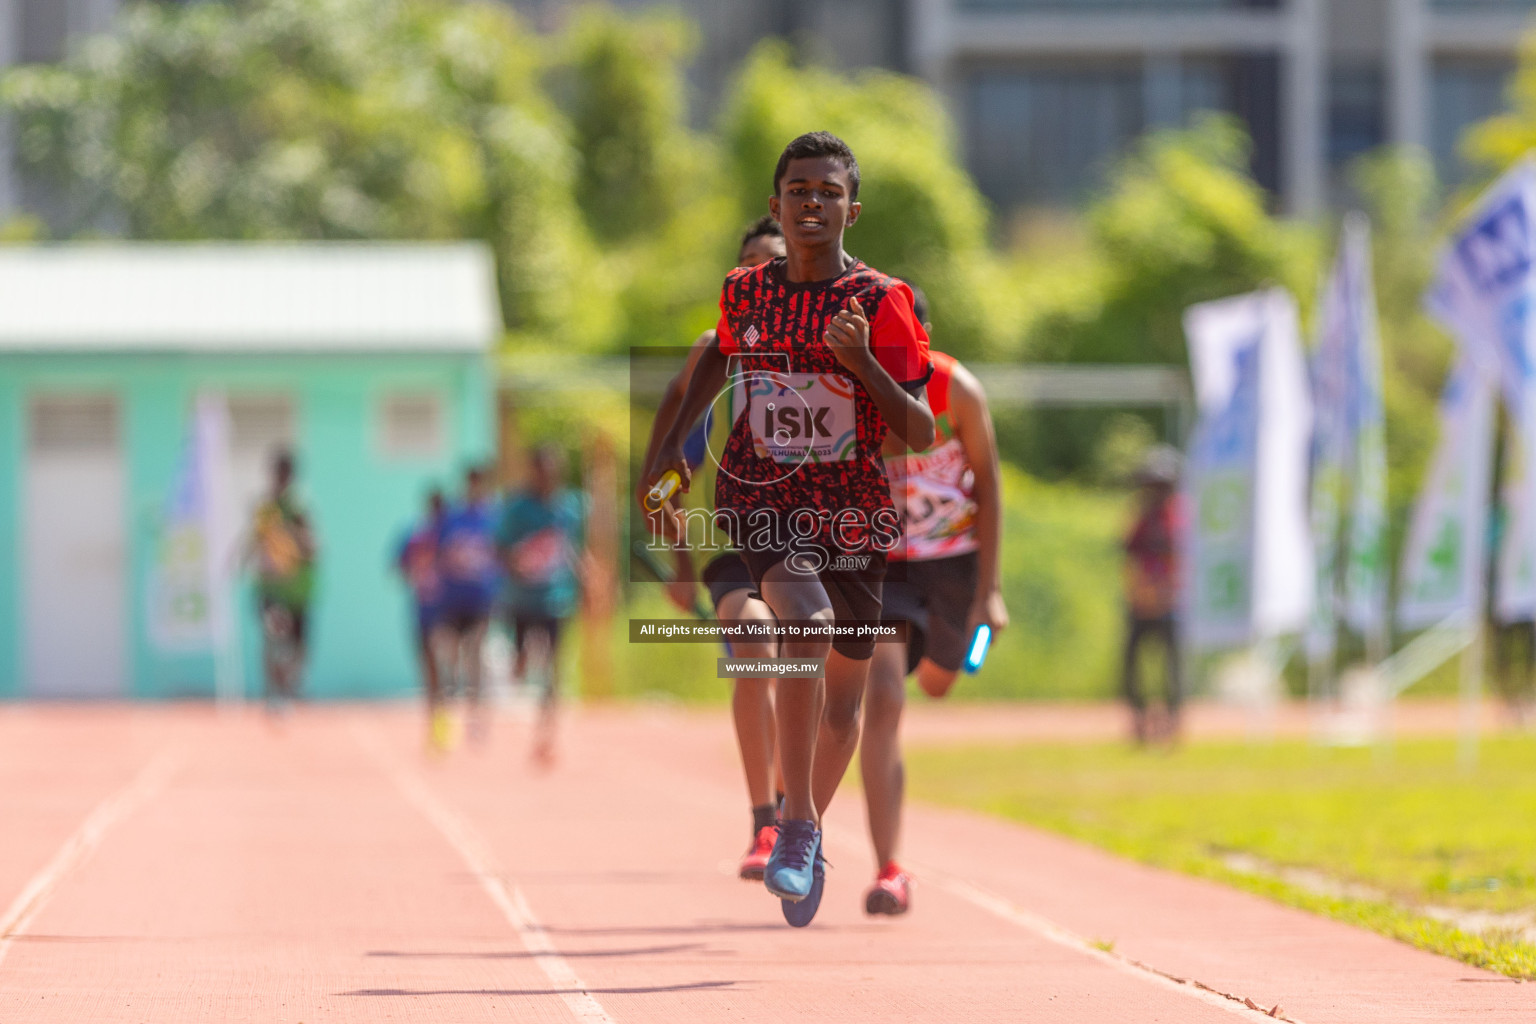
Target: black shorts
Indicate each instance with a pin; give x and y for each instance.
(462, 620)
(297, 616)
(725, 574)
(853, 589)
(525, 624)
(934, 599)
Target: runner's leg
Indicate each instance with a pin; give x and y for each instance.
(880, 750)
(798, 702)
(839, 734)
(751, 699)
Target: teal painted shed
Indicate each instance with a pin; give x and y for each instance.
(371, 362)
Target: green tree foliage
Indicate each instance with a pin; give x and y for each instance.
(1494, 145)
(620, 80)
(923, 218)
(649, 186)
(325, 119)
(1181, 222)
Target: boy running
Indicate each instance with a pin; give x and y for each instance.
(284, 548)
(835, 359)
(732, 593)
(417, 562)
(538, 538)
(466, 561)
(951, 509)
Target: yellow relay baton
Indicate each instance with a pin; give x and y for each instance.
(665, 487)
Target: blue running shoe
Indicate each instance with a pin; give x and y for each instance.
(800, 914)
(790, 874)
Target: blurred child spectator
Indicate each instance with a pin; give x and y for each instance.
(1152, 577)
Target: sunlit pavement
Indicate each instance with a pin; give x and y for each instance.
(177, 863)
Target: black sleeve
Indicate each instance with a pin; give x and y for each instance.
(915, 386)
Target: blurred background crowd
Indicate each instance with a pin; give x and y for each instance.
(1062, 179)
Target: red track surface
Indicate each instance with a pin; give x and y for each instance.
(171, 864)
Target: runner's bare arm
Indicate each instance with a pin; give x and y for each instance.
(907, 415)
(665, 521)
(973, 425)
(704, 384)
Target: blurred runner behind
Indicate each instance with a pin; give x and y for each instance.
(538, 538)
(948, 583)
(466, 564)
(283, 546)
(417, 562)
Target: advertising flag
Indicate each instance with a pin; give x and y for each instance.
(1443, 557)
(1248, 546)
(1365, 568)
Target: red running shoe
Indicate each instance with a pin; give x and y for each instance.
(892, 892)
(756, 859)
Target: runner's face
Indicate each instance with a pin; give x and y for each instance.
(813, 206)
(760, 250)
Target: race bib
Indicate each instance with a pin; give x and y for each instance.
(800, 418)
(537, 559)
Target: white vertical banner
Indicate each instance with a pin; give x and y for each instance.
(193, 576)
(1483, 294)
(1444, 557)
(1283, 574)
(1331, 429)
(1515, 582)
(1366, 580)
(221, 527)
(1247, 542)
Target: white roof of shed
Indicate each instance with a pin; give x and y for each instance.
(248, 297)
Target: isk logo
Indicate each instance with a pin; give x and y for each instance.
(1497, 252)
(752, 336)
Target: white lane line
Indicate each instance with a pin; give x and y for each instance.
(24, 909)
(507, 896)
(1001, 907)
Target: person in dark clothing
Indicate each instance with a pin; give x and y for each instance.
(1152, 573)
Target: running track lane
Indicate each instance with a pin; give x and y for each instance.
(330, 872)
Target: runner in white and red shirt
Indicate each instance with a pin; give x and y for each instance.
(943, 583)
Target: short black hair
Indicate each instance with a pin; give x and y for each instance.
(764, 227)
(919, 301)
(819, 144)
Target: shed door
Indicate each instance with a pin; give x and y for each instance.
(74, 570)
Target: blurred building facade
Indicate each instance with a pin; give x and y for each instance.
(369, 362)
(1047, 92)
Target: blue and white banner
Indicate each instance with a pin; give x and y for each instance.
(1444, 558)
(1248, 545)
(1349, 452)
(1483, 294)
(190, 578)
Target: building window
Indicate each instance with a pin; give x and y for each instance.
(1483, 5)
(1044, 134)
(1090, 6)
(411, 426)
(1464, 92)
(72, 423)
(44, 27)
(1356, 115)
